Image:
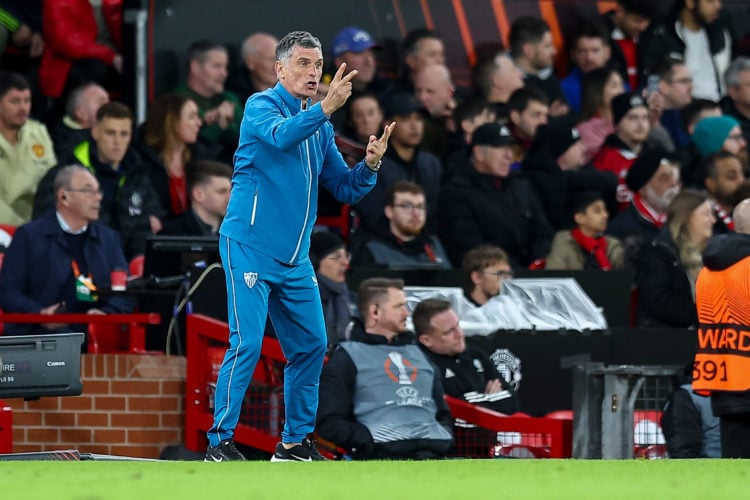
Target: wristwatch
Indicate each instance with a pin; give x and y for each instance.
(376, 167)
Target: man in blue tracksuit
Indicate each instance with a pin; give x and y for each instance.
(286, 149)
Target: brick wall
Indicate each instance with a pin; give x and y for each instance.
(131, 405)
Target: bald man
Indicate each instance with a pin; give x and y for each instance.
(433, 86)
(257, 73)
(722, 367)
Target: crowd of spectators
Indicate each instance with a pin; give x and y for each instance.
(503, 162)
(632, 159)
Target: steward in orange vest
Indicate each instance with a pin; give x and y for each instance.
(722, 359)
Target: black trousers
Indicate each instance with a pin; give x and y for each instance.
(735, 435)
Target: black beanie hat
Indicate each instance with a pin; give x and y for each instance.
(623, 103)
(556, 138)
(323, 243)
(645, 166)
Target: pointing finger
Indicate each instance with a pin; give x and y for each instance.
(349, 76)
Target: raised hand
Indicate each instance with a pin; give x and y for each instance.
(376, 148)
(339, 90)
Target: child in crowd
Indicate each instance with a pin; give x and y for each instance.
(585, 247)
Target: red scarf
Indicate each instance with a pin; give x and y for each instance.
(597, 246)
(723, 216)
(647, 212)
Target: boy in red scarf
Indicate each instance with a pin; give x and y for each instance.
(585, 247)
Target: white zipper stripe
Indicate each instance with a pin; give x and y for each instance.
(255, 206)
(236, 315)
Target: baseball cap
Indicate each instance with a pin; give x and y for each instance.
(492, 134)
(351, 39)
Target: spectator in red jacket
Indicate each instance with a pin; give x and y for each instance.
(620, 149)
(80, 45)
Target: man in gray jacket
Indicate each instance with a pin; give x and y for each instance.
(380, 397)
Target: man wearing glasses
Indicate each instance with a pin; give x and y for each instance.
(56, 262)
(406, 245)
(484, 270)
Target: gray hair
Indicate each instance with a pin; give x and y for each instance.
(76, 98)
(64, 176)
(732, 75)
(295, 39)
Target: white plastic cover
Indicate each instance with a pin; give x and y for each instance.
(542, 304)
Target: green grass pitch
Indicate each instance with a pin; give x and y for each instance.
(433, 480)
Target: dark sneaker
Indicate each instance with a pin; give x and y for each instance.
(225, 452)
(305, 452)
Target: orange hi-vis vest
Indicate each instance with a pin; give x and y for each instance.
(722, 360)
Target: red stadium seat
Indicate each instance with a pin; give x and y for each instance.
(538, 264)
(560, 414)
(135, 268)
(341, 222)
(6, 234)
(105, 338)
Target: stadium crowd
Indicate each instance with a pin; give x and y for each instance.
(632, 159)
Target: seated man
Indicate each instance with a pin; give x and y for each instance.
(466, 372)
(620, 149)
(129, 203)
(57, 262)
(486, 203)
(406, 245)
(80, 115)
(220, 110)
(723, 177)
(654, 178)
(26, 152)
(208, 185)
(404, 161)
(330, 260)
(484, 268)
(380, 397)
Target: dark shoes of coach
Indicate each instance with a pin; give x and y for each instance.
(304, 452)
(226, 451)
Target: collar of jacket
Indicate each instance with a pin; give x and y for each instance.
(293, 103)
(50, 227)
(488, 182)
(86, 154)
(358, 334)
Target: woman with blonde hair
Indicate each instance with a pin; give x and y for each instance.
(166, 142)
(670, 265)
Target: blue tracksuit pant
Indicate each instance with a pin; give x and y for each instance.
(257, 286)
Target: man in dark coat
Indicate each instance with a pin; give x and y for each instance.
(56, 262)
(404, 161)
(485, 203)
(208, 184)
(654, 178)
